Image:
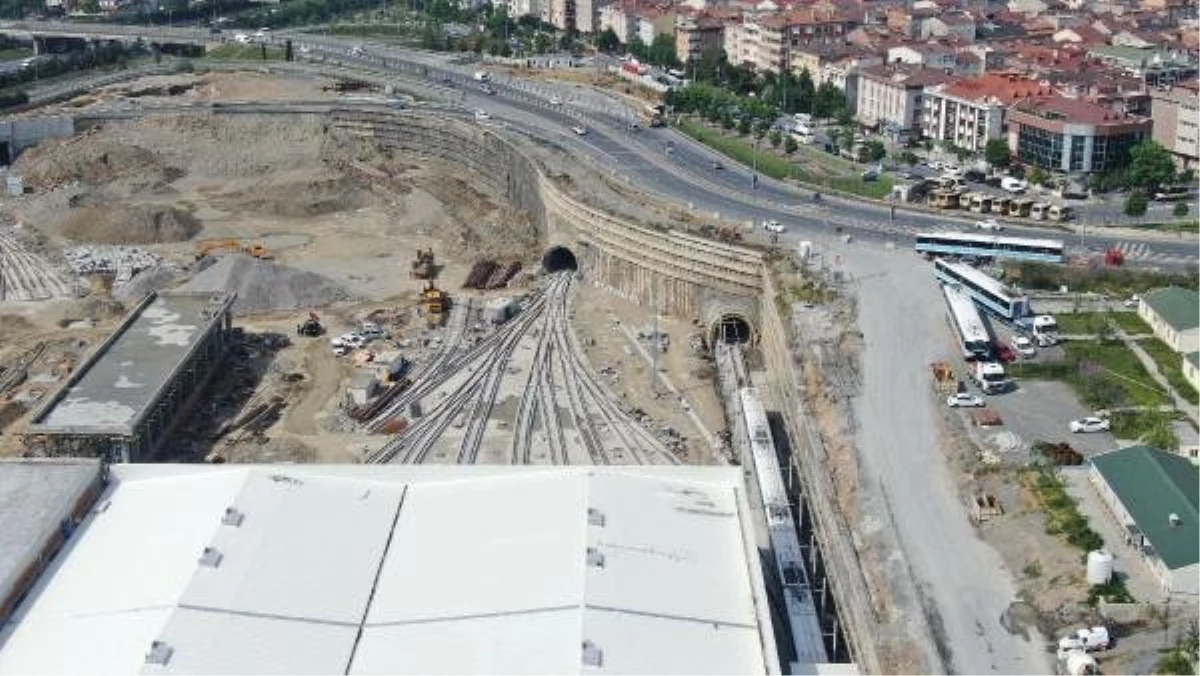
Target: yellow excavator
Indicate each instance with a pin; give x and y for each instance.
(209, 246)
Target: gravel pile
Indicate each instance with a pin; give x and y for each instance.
(150, 279)
(264, 287)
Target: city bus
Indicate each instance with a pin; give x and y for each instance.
(972, 335)
(654, 115)
(988, 292)
(989, 246)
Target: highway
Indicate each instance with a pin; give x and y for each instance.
(685, 175)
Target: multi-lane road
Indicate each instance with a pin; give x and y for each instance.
(684, 175)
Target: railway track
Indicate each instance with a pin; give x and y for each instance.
(561, 406)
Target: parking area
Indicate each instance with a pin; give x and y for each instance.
(1039, 410)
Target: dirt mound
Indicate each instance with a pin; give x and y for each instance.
(264, 287)
(93, 161)
(299, 198)
(142, 224)
(152, 279)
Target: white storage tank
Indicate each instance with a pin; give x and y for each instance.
(1099, 567)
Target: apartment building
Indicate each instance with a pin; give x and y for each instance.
(957, 25)
(587, 15)
(1153, 66)
(766, 42)
(968, 113)
(619, 17)
(560, 14)
(698, 34)
(1073, 135)
(654, 21)
(742, 41)
(1176, 114)
(891, 96)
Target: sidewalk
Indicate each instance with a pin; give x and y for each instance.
(1152, 368)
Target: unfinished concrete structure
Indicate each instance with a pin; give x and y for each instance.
(121, 403)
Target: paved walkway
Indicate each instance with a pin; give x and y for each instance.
(1152, 368)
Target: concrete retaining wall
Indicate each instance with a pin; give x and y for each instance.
(650, 265)
(829, 525)
(19, 134)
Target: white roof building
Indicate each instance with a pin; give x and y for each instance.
(403, 569)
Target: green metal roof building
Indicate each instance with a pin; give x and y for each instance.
(1154, 494)
(1174, 315)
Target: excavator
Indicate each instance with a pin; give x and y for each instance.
(208, 246)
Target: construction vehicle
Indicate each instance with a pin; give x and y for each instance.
(989, 376)
(208, 246)
(311, 326)
(424, 267)
(435, 302)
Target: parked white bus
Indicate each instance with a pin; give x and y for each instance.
(988, 292)
(989, 246)
(969, 329)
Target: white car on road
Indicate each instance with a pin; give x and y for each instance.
(579, 131)
(482, 116)
(555, 101)
(1089, 424)
(964, 399)
(774, 226)
(989, 224)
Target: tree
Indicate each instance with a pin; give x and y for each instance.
(1150, 166)
(1181, 209)
(1037, 176)
(789, 145)
(1136, 203)
(908, 157)
(743, 126)
(775, 138)
(607, 41)
(996, 153)
(875, 150)
(761, 127)
(637, 48)
(661, 52)
(829, 102)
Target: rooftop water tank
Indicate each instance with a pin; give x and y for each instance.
(1099, 567)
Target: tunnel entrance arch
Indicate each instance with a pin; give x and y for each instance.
(732, 329)
(558, 259)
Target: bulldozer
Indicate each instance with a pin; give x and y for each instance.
(311, 326)
(435, 302)
(208, 246)
(424, 267)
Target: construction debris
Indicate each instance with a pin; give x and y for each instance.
(25, 275)
(263, 286)
(984, 507)
(488, 274)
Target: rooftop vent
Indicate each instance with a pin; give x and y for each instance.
(595, 557)
(1174, 519)
(232, 517)
(211, 557)
(595, 517)
(593, 656)
(160, 653)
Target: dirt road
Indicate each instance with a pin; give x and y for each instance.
(324, 379)
(907, 490)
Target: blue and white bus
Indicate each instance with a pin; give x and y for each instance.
(972, 333)
(989, 246)
(988, 292)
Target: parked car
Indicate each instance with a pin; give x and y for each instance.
(1089, 424)
(579, 131)
(989, 224)
(774, 226)
(964, 399)
(481, 115)
(1133, 301)
(487, 89)
(555, 101)
(1025, 347)
(1005, 353)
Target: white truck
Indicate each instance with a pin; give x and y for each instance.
(989, 376)
(1045, 330)
(482, 76)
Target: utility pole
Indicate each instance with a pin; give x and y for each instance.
(654, 344)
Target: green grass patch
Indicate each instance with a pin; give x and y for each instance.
(1115, 282)
(776, 167)
(1170, 364)
(1102, 374)
(245, 53)
(1187, 225)
(1062, 514)
(1096, 323)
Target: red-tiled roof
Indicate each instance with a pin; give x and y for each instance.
(994, 87)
